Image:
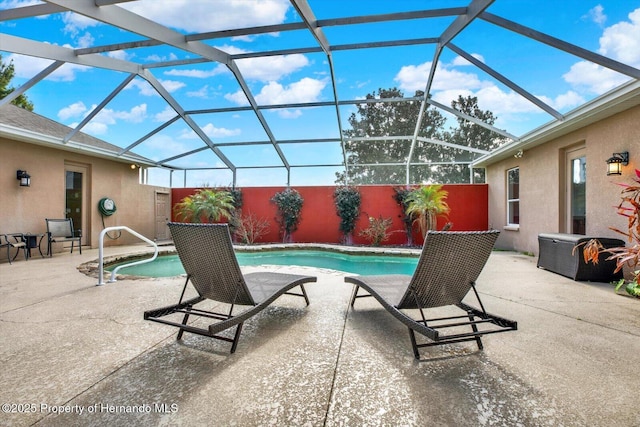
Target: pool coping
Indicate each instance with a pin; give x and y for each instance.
(91, 268)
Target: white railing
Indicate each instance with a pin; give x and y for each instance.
(115, 270)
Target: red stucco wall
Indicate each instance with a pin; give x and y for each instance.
(320, 223)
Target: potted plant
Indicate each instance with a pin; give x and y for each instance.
(205, 205)
(629, 255)
(289, 203)
(347, 201)
(425, 204)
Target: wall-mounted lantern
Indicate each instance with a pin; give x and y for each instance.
(24, 178)
(615, 163)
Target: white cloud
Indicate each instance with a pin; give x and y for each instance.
(593, 77)
(621, 42)
(165, 115)
(461, 62)
(74, 110)
(137, 114)
(231, 49)
(93, 128)
(304, 90)
(198, 74)
(566, 100)
(211, 131)
(269, 68)
(85, 40)
(28, 66)
(10, 4)
(215, 132)
(263, 69)
(120, 54)
(145, 89)
(238, 98)
(414, 77)
(172, 85)
(74, 23)
(201, 16)
(157, 58)
(162, 146)
(597, 15)
(106, 117)
(289, 114)
(203, 92)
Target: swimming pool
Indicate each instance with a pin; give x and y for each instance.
(170, 265)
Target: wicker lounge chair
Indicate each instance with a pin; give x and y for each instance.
(449, 265)
(208, 258)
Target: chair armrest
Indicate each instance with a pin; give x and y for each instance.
(15, 236)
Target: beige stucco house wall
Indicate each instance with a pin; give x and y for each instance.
(608, 125)
(24, 209)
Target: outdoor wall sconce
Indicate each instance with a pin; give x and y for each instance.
(24, 178)
(615, 163)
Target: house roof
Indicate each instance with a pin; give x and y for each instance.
(618, 100)
(23, 125)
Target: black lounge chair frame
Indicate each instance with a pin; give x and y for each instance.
(449, 266)
(207, 255)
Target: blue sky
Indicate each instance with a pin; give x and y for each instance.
(611, 28)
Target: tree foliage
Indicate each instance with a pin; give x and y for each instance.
(205, 205)
(289, 203)
(7, 72)
(399, 119)
(347, 200)
(425, 204)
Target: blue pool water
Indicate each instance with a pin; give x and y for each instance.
(169, 265)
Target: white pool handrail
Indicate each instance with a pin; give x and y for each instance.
(115, 270)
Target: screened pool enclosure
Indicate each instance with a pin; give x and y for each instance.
(306, 92)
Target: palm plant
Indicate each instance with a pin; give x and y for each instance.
(425, 204)
(210, 205)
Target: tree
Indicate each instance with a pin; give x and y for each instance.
(347, 200)
(425, 204)
(399, 119)
(7, 72)
(466, 134)
(385, 120)
(210, 205)
(401, 196)
(289, 203)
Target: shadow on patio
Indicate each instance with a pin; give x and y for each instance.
(70, 345)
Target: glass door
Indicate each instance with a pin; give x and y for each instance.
(576, 191)
(75, 198)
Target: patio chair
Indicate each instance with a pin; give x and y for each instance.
(61, 230)
(207, 255)
(17, 242)
(448, 268)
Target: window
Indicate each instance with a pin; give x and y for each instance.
(513, 196)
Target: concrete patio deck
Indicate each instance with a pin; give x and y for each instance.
(75, 354)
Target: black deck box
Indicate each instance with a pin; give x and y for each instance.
(556, 254)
